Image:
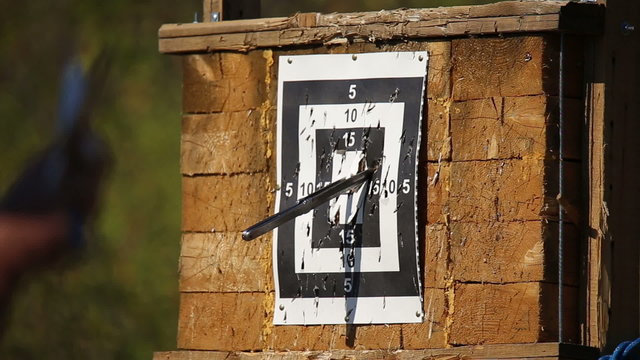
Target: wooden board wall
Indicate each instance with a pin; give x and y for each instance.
(547, 351)
(487, 199)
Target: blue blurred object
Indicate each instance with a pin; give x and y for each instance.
(67, 175)
(627, 350)
(72, 95)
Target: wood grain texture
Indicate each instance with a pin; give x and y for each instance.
(431, 333)
(617, 55)
(514, 127)
(367, 337)
(509, 252)
(331, 337)
(439, 70)
(507, 351)
(510, 66)
(224, 203)
(223, 82)
(224, 143)
(489, 314)
(597, 284)
(305, 29)
(225, 27)
(223, 262)
(435, 256)
(511, 313)
(502, 190)
(434, 192)
(213, 321)
(436, 143)
(509, 190)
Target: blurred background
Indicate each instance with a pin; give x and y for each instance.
(118, 300)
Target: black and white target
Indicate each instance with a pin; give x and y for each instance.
(354, 259)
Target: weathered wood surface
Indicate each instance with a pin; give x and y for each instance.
(301, 29)
(209, 7)
(616, 55)
(487, 207)
(513, 351)
(224, 203)
(466, 313)
(223, 262)
(224, 143)
(511, 66)
(221, 321)
(223, 82)
(513, 127)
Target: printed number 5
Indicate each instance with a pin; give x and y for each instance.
(347, 285)
(406, 188)
(352, 91)
(288, 190)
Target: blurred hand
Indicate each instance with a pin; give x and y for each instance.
(48, 205)
(45, 210)
(66, 176)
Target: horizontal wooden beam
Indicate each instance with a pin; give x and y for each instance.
(508, 351)
(315, 28)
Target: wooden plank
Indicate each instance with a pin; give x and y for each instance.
(439, 70)
(494, 67)
(510, 351)
(223, 262)
(435, 256)
(224, 27)
(507, 313)
(431, 333)
(436, 144)
(434, 186)
(507, 8)
(508, 252)
(371, 337)
(549, 310)
(224, 82)
(597, 286)
(225, 143)
(329, 337)
(367, 33)
(209, 7)
(226, 322)
(501, 190)
(224, 203)
(621, 249)
(504, 9)
(514, 127)
(506, 17)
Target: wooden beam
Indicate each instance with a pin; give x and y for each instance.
(312, 28)
(209, 7)
(512, 351)
(618, 318)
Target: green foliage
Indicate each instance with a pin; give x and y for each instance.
(119, 300)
